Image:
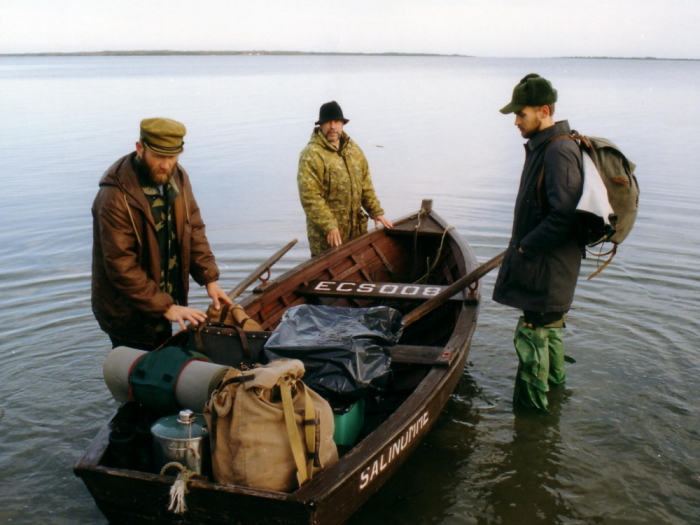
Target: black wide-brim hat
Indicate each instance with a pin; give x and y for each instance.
(330, 111)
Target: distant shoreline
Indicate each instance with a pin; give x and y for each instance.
(216, 53)
(300, 53)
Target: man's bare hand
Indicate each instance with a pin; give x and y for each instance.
(386, 222)
(180, 314)
(217, 295)
(333, 237)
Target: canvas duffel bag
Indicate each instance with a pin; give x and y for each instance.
(268, 430)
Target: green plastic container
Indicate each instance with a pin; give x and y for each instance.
(348, 425)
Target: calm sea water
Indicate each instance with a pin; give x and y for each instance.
(622, 445)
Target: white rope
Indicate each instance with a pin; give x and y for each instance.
(179, 488)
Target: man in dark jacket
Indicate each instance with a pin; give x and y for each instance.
(543, 259)
(148, 238)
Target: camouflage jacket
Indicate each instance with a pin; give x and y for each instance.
(334, 187)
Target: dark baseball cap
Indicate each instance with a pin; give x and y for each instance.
(532, 90)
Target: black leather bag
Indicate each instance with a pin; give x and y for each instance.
(228, 345)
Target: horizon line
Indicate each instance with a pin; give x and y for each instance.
(167, 52)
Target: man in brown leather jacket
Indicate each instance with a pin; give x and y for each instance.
(148, 238)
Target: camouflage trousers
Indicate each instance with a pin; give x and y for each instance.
(540, 352)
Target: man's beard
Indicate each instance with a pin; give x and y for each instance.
(532, 131)
(159, 178)
(328, 138)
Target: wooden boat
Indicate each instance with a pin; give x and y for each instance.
(427, 364)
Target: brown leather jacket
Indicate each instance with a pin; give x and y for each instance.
(126, 296)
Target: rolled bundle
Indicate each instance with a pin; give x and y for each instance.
(117, 368)
(196, 383)
(196, 379)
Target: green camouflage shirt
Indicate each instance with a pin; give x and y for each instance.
(334, 187)
(162, 211)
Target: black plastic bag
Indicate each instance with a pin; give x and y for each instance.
(343, 349)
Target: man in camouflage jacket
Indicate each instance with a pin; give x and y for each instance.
(148, 238)
(335, 186)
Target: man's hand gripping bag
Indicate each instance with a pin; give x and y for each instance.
(268, 430)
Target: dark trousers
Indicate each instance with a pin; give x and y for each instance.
(548, 319)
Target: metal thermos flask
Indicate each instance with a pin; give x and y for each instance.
(182, 438)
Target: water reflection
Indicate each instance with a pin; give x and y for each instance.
(529, 487)
(427, 488)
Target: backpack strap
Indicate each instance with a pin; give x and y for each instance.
(611, 253)
(196, 334)
(540, 182)
(244, 342)
(312, 424)
(224, 313)
(293, 433)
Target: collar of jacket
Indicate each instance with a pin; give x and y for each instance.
(123, 176)
(319, 138)
(544, 136)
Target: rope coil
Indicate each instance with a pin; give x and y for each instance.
(179, 489)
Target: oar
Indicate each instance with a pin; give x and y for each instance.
(238, 290)
(459, 285)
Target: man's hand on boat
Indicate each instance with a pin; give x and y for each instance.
(179, 314)
(385, 222)
(333, 236)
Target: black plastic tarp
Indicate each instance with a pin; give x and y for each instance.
(343, 349)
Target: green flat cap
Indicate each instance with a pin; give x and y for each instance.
(532, 90)
(163, 135)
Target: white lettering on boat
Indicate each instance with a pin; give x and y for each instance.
(415, 291)
(388, 288)
(390, 453)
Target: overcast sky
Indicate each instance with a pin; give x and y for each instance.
(489, 28)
